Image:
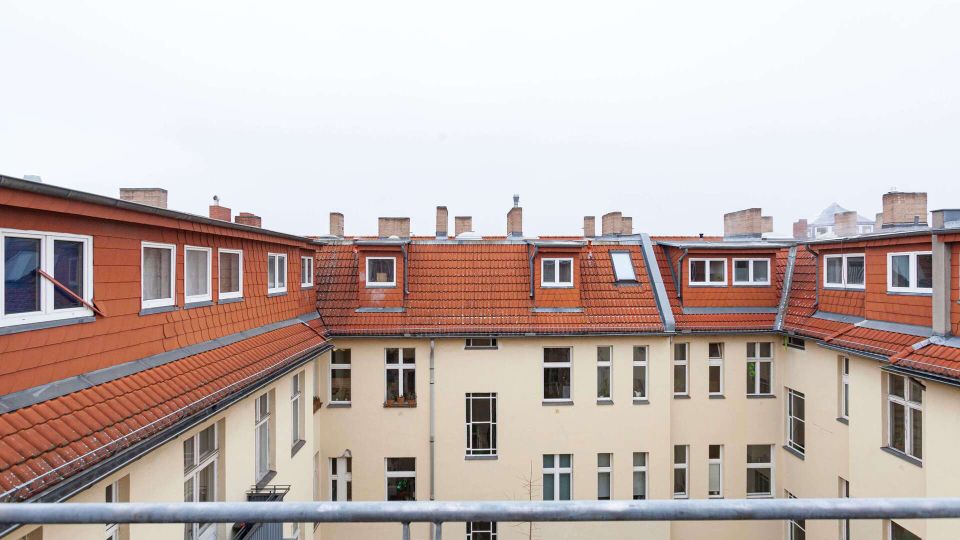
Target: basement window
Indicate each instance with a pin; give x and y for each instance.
(381, 271)
(481, 343)
(623, 267)
(910, 272)
(708, 272)
(751, 271)
(845, 271)
(556, 273)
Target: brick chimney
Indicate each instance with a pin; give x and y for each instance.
(149, 196)
(611, 223)
(443, 222)
(743, 223)
(246, 218)
(515, 219)
(393, 226)
(462, 224)
(902, 209)
(336, 224)
(878, 223)
(845, 223)
(626, 225)
(800, 228)
(219, 212)
(589, 226)
(766, 224)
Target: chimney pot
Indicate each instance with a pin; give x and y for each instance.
(611, 223)
(393, 226)
(336, 224)
(156, 197)
(515, 220)
(443, 222)
(462, 224)
(246, 218)
(904, 209)
(589, 226)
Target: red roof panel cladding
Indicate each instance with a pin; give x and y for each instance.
(936, 359)
(485, 287)
(99, 421)
(846, 302)
(730, 295)
(955, 289)
(380, 296)
(41, 356)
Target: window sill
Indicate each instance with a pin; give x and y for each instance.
(296, 448)
(641, 401)
(760, 496)
(838, 287)
(896, 453)
(304, 286)
(560, 286)
(795, 452)
(604, 401)
(761, 396)
(480, 348)
(381, 285)
(724, 284)
(844, 421)
(493, 457)
(27, 327)
(194, 305)
(277, 293)
(342, 405)
(230, 300)
(155, 310)
(681, 497)
(717, 396)
(753, 285)
(266, 479)
(559, 402)
(910, 293)
(681, 396)
(399, 404)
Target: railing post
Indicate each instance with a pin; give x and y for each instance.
(406, 530)
(438, 535)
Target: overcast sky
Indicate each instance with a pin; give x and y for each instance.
(673, 112)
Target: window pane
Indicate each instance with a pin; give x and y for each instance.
(717, 271)
(564, 461)
(758, 453)
(603, 486)
(639, 485)
(196, 270)
(679, 379)
(751, 377)
(156, 273)
(401, 464)
(714, 379)
(281, 271)
(401, 489)
(548, 494)
(205, 484)
(924, 271)
(679, 481)
(623, 266)
(741, 271)
(548, 461)
(393, 384)
(900, 271)
(761, 271)
(229, 272)
(899, 533)
(21, 279)
(207, 442)
(565, 487)
(603, 354)
(898, 427)
(765, 377)
(765, 349)
(409, 384)
(409, 356)
(480, 409)
(680, 351)
(679, 454)
(897, 386)
(639, 354)
(639, 381)
(835, 270)
(188, 459)
(341, 356)
(272, 271)
(549, 271)
(603, 460)
(758, 481)
(716, 350)
(556, 355)
(916, 432)
(380, 270)
(340, 385)
(713, 451)
(68, 270)
(855, 271)
(714, 474)
(566, 271)
(698, 271)
(603, 381)
(639, 459)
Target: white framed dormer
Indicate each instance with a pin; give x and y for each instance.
(197, 270)
(230, 267)
(751, 272)
(381, 271)
(846, 271)
(158, 274)
(276, 273)
(25, 296)
(306, 272)
(707, 272)
(910, 272)
(556, 272)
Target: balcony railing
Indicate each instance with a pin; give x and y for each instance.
(438, 513)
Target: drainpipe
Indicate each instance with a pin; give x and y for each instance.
(433, 427)
(679, 282)
(816, 259)
(532, 257)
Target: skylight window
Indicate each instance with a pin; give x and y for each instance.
(623, 266)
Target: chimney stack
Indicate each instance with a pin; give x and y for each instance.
(336, 224)
(221, 213)
(946, 219)
(766, 224)
(878, 223)
(246, 218)
(611, 223)
(902, 209)
(743, 223)
(462, 224)
(800, 228)
(626, 225)
(443, 222)
(845, 223)
(149, 196)
(589, 226)
(393, 226)
(515, 219)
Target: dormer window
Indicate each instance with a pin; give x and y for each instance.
(623, 267)
(844, 271)
(708, 272)
(910, 272)
(751, 271)
(556, 273)
(381, 271)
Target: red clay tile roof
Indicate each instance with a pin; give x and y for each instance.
(484, 288)
(46, 443)
(936, 359)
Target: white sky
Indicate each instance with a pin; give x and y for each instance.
(673, 112)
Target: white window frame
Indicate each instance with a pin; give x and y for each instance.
(707, 282)
(221, 294)
(400, 366)
(343, 479)
(844, 271)
(912, 288)
(47, 288)
(388, 474)
(607, 470)
(274, 260)
(607, 365)
(685, 467)
(339, 366)
(793, 419)
(159, 302)
(557, 471)
(490, 531)
(306, 263)
(758, 360)
(685, 364)
(795, 342)
(261, 421)
(844, 494)
(642, 468)
(717, 463)
(631, 273)
(844, 390)
(750, 270)
(297, 409)
(794, 524)
(891, 523)
(568, 365)
(375, 284)
(715, 362)
(112, 530)
(203, 531)
(909, 406)
(189, 299)
(470, 343)
(763, 465)
(491, 397)
(557, 283)
(641, 364)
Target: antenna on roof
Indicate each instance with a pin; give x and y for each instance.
(216, 200)
(516, 200)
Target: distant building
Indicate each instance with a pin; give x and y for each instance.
(824, 225)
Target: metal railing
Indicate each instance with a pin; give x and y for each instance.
(438, 513)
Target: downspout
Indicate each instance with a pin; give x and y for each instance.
(816, 259)
(433, 427)
(679, 275)
(532, 257)
(406, 270)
